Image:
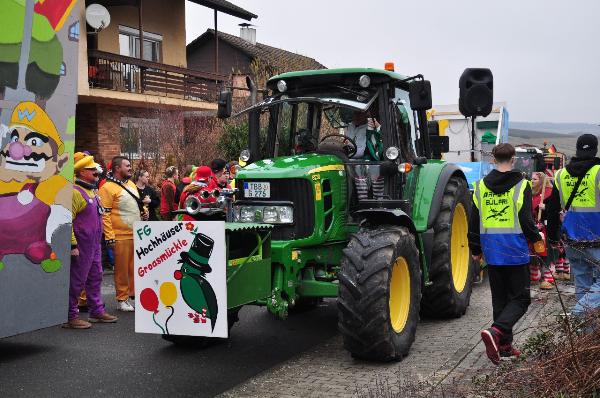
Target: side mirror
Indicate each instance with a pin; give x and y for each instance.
(224, 104)
(419, 93)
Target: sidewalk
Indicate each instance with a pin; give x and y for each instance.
(444, 351)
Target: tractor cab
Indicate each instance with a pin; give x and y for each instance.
(361, 118)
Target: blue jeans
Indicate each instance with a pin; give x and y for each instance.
(585, 267)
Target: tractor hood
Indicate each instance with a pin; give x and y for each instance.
(297, 166)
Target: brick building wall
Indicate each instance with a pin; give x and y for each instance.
(98, 132)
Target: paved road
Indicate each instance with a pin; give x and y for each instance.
(445, 351)
(111, 360)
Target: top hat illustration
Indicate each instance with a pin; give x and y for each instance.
(199, 253)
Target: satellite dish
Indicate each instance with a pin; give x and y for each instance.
(97, 16)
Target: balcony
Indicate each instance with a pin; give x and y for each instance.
(119, 73)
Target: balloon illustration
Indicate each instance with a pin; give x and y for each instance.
(168, 293)
(168, 296)
(149, 300)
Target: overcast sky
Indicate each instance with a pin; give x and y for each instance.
(545, 55)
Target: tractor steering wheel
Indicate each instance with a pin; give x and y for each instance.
(351, 149)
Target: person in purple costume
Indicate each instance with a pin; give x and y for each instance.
(86, 256)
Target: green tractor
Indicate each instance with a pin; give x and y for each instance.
(385, 235)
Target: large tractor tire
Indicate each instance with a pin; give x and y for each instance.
(452, 270)
(380, 293)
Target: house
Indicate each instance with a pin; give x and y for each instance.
(132, 99)
(242, 55)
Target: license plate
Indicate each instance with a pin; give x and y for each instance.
(257, 189)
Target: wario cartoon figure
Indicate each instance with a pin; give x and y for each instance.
(34, 199)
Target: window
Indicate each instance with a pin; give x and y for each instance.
(129, 44)
(406, 120)
(74, 32)
(140, 138)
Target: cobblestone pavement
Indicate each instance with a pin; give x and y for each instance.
(444, 351)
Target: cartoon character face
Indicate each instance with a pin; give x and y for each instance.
(29, 155)
(31, 147)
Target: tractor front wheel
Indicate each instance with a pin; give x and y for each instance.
(380, 292)
(452, 270)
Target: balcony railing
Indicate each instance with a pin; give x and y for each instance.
(119, 73)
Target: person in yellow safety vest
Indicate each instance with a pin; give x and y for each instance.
(576, 196)
(500, 226)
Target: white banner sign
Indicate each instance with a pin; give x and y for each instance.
(180, 280)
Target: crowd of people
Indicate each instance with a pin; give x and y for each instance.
(104, 211)
(541, 230)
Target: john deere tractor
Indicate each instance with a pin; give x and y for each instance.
(370, 219)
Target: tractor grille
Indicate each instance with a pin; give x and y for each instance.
(295, 190)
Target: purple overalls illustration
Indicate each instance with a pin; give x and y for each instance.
(23, 219)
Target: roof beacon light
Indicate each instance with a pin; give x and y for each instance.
(282, 86)
(364, 81)
(389, 66)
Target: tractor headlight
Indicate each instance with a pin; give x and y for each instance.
(392, 153)
(364, 81)
(247, 214)
(245, 155)
(265, 214)
(286, 214)
(282, 86)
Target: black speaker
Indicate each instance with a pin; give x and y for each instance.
(224, 104)
(476, 92)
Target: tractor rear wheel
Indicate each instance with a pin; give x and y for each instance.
(380, 292)
(452, 270)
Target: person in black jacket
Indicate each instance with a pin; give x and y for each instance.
(501, 224)
(580, 220)
(147, 193)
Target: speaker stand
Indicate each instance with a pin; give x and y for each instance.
(472, 138)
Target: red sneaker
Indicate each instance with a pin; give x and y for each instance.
(491, 340)
(508, 352)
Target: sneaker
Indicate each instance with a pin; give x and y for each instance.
(104, 318)
(508, 352)
(125, 306)
(491, 340)
(77, 324)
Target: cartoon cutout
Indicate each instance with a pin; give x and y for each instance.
(32, 154)
(196, 291)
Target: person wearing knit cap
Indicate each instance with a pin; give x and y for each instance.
(86, 256)
(576, 200)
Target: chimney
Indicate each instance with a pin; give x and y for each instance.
(248, 33)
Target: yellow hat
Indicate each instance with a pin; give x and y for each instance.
(84, 161)
(32, 117)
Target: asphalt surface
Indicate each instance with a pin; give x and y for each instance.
(112, 360)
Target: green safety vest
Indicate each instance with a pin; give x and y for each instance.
(502, 239)
(582, 220)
